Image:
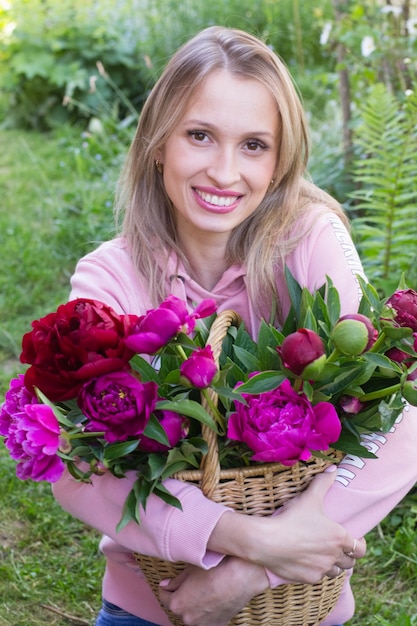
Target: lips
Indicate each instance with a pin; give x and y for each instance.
(221, 203)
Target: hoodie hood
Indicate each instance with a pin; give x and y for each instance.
(230, 292)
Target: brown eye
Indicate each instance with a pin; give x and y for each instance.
(198, 135)
(254, 145)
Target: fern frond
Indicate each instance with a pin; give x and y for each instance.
(385, 228)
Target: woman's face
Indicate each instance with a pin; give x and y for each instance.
(220, 159)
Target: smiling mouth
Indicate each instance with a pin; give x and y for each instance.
(220, 201)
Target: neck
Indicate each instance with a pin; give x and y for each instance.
(207, 262)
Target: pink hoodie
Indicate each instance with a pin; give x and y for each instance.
(365, 491)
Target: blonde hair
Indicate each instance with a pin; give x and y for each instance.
(264, 239)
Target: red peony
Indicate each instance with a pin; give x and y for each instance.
(82, 339)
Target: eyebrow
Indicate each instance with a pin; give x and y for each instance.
(209, 126)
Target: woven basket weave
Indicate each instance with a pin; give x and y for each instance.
(253, 490)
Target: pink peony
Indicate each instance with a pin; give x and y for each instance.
(16, 399)
(282, 426)
(33, 441)
(162, 324)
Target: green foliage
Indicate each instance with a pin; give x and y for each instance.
(56, 58)
(385, 580)
(56, 205)
(51, 57)
(379, 44)
(385, 226)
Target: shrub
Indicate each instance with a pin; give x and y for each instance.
(49, 50)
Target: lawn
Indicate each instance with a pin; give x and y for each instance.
(56, 194)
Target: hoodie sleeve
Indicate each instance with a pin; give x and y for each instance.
(107, 274)
(165, 531)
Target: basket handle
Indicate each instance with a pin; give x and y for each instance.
(210, 465)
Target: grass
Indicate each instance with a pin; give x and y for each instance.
(56, 204)
(50, 566)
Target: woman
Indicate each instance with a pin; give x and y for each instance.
(214, 203)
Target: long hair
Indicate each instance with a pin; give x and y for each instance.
(265, 238)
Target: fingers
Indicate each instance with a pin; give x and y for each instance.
(172, 584)
(321, 483)
(348, 560)
(357, 551)
(334, 572)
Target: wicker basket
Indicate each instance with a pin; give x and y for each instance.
(253, 490)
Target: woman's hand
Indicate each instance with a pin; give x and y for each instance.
(299, 544)
(213, 597)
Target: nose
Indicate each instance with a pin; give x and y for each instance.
(224, 170)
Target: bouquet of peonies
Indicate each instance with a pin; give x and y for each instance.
(119, 393)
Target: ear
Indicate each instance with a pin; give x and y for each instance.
(159, 155)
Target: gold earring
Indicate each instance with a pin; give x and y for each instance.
(159, 166)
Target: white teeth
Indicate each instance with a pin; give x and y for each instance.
(217, 200)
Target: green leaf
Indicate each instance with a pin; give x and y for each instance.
(345, 378)
(145, 369)
(162, 492)
(333, 303)
(123, 448)
(155, 431)
(309, 321)
(130, 513)
(264, 381)
(250, 361)
(189, 408)
(268, 340)
(380, 360)
(294, 291)
(156, 464)
(348, 442)
(389, 411)
(370, 294)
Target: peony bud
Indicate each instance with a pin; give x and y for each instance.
(303, 353)
(199, 369)
(98, 467)
(351, 405)
(404, 305)
(398, 355)
(354, 334)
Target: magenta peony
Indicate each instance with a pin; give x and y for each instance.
(282, 425)
(404, 304)
(118, 404)
(199, 369)
(162, 324)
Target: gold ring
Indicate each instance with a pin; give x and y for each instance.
(351, 552)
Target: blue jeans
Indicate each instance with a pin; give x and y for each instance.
(112, 615)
